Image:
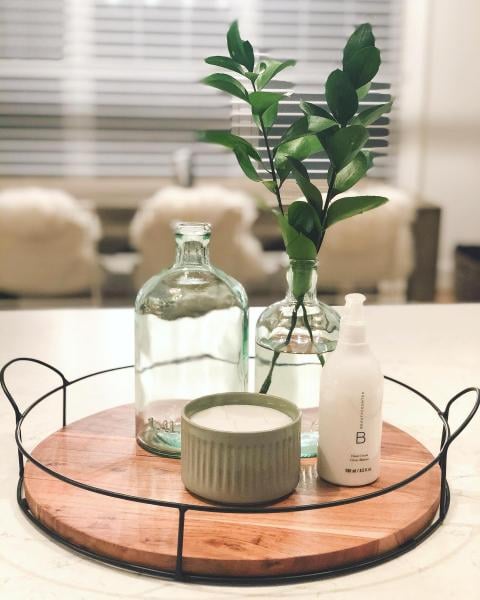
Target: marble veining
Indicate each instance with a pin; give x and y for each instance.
(409, 340)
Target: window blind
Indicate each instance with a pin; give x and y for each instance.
(110, 87)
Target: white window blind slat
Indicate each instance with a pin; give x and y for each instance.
(111, 87)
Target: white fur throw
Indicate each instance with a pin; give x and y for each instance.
(371, 247)
(233, 248)
(47, 242)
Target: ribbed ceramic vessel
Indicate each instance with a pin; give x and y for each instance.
(238, 467)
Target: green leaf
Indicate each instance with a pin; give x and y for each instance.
(318, 124)
(226, 83)
(227, 139)
(303, 217)
(313, 110)
(370, 115)
(310, 191)
(261, 101)
(251, 76)
(341, 96)
(298, 246)
(300, 148)
(270, 185)
(343, 145)
(241, 51)
(282, 167)
(297, 129)
(299, 168)
(269, 117)
(264, 105)
(269, 68)
(363, 91)
(246, 164)
(362, 37)
(353, 172)
(362, 66)
(226, 62)
(343, 208)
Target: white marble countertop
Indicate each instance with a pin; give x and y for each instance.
(434, 348)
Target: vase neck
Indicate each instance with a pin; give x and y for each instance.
(302, 281)
(192, 240)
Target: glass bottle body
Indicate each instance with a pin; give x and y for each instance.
(191, 334)
(295, 335)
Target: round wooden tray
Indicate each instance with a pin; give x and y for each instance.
(101, 450)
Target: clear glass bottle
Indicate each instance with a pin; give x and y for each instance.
(297, 360)
(191, 339)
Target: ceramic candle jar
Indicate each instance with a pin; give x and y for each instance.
(241, 448)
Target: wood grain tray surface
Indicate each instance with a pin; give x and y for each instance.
(101, 450)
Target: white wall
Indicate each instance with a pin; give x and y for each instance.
(440, 117)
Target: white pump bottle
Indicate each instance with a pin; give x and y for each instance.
(350, 413)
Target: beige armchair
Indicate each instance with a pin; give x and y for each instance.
(374, 249)
(47, 243)
(233, 247)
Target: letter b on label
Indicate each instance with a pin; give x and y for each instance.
(361, 437)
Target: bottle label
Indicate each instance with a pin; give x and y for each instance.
(349, 453)
(361, 433)
(361, 437)
(359, 470)
(360, 451)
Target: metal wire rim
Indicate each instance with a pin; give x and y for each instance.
(441, 459)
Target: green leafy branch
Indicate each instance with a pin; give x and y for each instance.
(340, 133)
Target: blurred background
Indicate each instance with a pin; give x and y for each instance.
(99, 104)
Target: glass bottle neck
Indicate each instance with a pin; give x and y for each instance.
(302, 281)
(190, 252)
(192, 240)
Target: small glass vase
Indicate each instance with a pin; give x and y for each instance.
(191, 339)
(290, 350)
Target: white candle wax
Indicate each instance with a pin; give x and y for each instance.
(245, 418)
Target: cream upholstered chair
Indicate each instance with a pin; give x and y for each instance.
(233, 247)
(373, 249)
(47, 243)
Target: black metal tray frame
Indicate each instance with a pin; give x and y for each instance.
(448, 436)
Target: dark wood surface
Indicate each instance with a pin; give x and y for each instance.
(426, 232)
(101, 450)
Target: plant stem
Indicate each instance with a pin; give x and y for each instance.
(299, 303)
(331, 189)
(272, 167)
(270, 159)
(309, 329)
(328, 199)
(268, 379)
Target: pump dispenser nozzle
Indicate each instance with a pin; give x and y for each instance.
(354, 307)
(352, 325)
